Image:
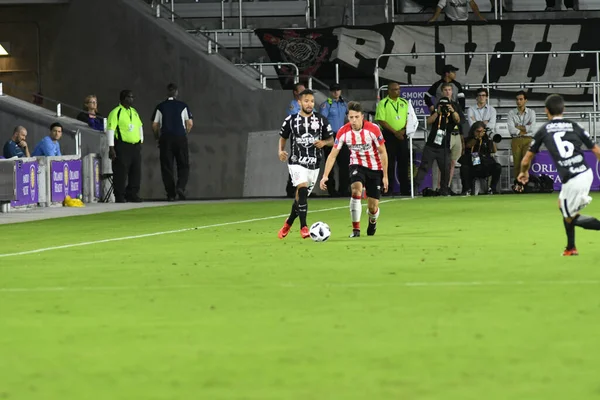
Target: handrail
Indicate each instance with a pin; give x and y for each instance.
(59, 104)
(187, 26)
(263, 78)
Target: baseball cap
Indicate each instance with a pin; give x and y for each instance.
(335, 86)
(444, 100)
(450, 68)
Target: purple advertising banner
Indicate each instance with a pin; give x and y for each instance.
(416, 95)
(543, 164)
(427, 181)
(27, 185)
(96, 178)
(65, 179)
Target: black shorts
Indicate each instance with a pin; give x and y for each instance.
(371, 180)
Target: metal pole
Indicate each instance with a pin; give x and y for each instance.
(241, 27)
(410, 166)
(172, 10)
(314, 10)
(386, 11)
(158, 5)
(487, 72)
(596, 87)
(309, 82)
(216, 43)
(376, 73)
(595, 105)
(307, 14)
(222, 14)
(393, 10)
(78, 143)
(58, 108)
(1, 89)
(500, 8)
(353, 13)
(262, 78)
(337, 75)
(495, 9)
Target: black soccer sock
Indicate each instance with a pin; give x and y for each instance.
(587, 222)
(302, 205)
(570, 230)
(293, 213)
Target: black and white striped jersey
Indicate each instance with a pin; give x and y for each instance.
(563, 139)
(302, 133)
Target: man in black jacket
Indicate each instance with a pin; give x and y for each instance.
(478, 162)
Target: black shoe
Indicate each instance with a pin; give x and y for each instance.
(134, 199)
(181, 194)
(120, 200)
(371, 228)
(171, 198)
(355, 233)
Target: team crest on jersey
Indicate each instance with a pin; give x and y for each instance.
(293, 158)
(315, 125)
(306, 140)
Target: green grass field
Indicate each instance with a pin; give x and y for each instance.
(454, 298)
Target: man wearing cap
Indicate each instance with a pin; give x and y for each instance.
(444, 122)
(456, 10)
(435, 91)
(335, 109)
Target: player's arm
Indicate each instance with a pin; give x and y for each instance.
(596, 151)
(283, 155)
(384, 165)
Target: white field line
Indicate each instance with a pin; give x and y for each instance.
(340, 285)
(145, 235)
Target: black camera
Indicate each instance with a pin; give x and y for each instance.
(444, 104)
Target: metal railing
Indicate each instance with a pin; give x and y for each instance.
(190, 28)
(262, 78)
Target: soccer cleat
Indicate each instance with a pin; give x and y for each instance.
(570, 252)
(355, 233)
(371, 228)
(304, 232)
(285, 229)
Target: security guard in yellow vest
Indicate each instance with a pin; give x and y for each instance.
(392, 115)
(125, 137)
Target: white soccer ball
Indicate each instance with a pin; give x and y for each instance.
(319, 231)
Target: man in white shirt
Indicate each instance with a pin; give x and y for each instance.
(482, 111)
(521, 126)
(456, 10)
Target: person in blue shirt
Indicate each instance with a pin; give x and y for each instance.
(335, 110)
(294, 107)
(49, 146)
(17, 146)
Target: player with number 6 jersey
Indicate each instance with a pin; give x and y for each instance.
(368, 165)
(563, 139)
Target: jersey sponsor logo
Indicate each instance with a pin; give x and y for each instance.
(360, 147)
(571, 161)
(577, 170)
(559, 127)
(306, 160)
(306, 140)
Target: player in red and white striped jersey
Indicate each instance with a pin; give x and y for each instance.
(368, 165)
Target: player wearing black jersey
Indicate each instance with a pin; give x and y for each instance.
(563, 139)
(308, 134)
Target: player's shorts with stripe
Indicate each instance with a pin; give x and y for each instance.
(300, 174)
(371, 180)
(574, 195)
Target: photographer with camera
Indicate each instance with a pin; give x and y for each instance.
(478, 162)
(445, 124)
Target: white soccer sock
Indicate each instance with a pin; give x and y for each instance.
(373, 217)
(355, 208)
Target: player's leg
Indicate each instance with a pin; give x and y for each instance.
(573, 197)
(356, 186)
(374, 184)
(302, 199)
(296, 178)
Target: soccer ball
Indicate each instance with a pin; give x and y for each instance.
(319, 231)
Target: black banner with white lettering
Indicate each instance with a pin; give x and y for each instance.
(355, 49)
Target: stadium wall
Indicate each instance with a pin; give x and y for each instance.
(102, 47)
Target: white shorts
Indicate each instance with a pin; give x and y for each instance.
(300, 174)
(574, 195)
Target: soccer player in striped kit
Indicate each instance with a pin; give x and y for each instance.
(368, 165)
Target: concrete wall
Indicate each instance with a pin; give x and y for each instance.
(102, 47)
